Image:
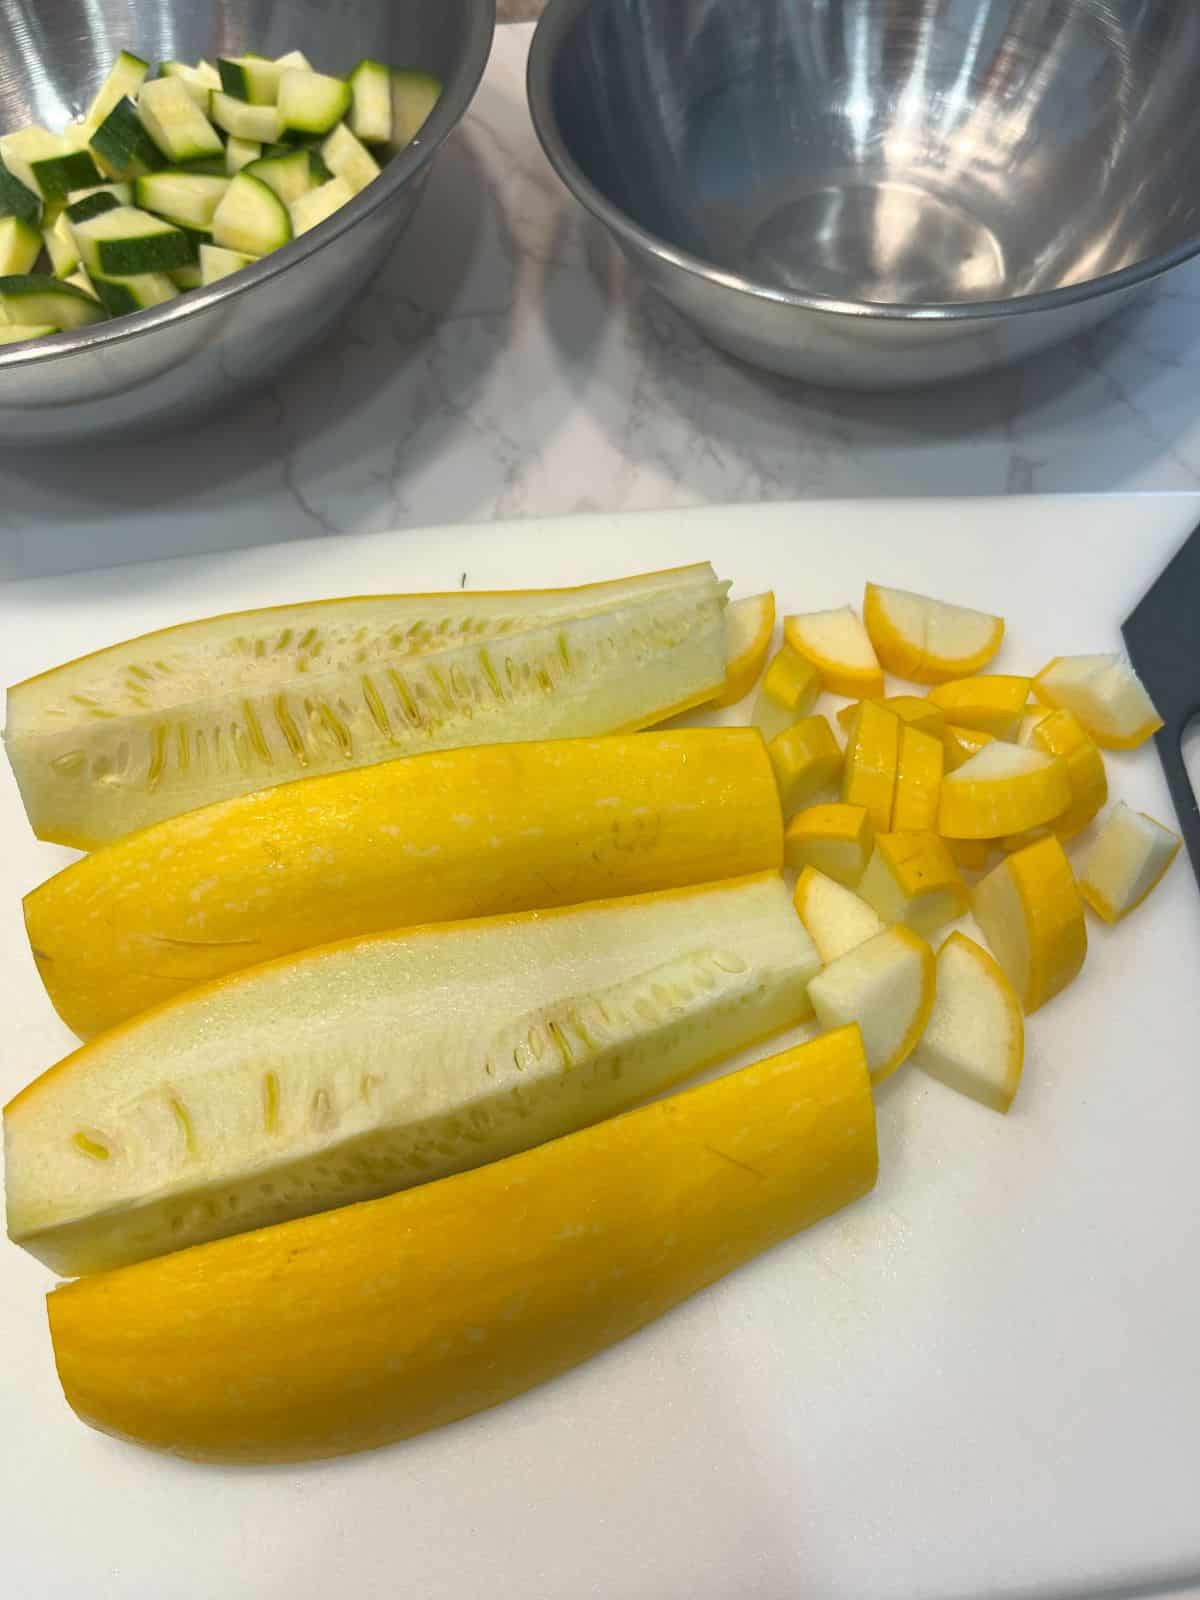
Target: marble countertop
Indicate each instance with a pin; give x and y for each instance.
(506, 364)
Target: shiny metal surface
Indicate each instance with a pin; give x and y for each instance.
(175, 361)
(879, 193)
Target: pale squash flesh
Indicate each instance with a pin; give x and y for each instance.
(375, 1322)
(361, 1068)
(194, 714)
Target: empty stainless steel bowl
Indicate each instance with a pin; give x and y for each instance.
(202, 349)
(879, 193)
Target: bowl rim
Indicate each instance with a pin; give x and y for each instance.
(559, 16)
(456, 97)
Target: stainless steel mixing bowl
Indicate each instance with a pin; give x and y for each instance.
(877, 193)
(200, 350)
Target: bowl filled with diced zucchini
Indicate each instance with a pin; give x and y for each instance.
(174, 231)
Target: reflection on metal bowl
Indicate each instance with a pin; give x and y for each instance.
(880, 192)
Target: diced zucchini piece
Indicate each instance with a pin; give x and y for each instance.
(320, 171)
(370, 116)
(289, 176)
(21, 335)
(61, 248)
(217, 263)
(189, 198)
(250, 78)
(240, 153)
(20, 246)
(17, 199)
(123, 146)
(321, 203)
(347, 158)
(35, 300)
(199, 81)
(122, 193)
(207, 166)
(138, 292)
(80, 280)
(128, 242)
(176, 123)
(317, 162)
(294, 58)
(187, 277)
(251, 218)
(414, 95)
(123, 82)
(243, 121)
(60, 174)
(51, 163)
(310, 102)
(93, 204)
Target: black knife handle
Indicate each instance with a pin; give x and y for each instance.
(1170, 749)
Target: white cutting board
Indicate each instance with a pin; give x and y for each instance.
(982, 1380)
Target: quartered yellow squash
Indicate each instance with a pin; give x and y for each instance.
(460, 833)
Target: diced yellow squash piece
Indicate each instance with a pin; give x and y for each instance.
(1106, 695)
(792, 682)
(960, 744)
(1029, 910)
(181, 718)
(910, 708)
(836, 918)
(1126, 862)
(1060, 733)
(917, 712)
(837, 645)
(749, 624)
(369, 1324)
(886, 986)
(927, 640)
(836, 839)
(356, 1069)
(1018, 841)
(789, 690)
(911, 878)
(807, 758)
(869, 766)
(970, 855)
(974, 1041)
(1004, 789)
(992, 703)
(433, 838)
(918, 780)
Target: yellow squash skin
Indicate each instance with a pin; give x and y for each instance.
(366, 1325)
(432, 838)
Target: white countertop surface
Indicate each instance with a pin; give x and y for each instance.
(506, 364)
